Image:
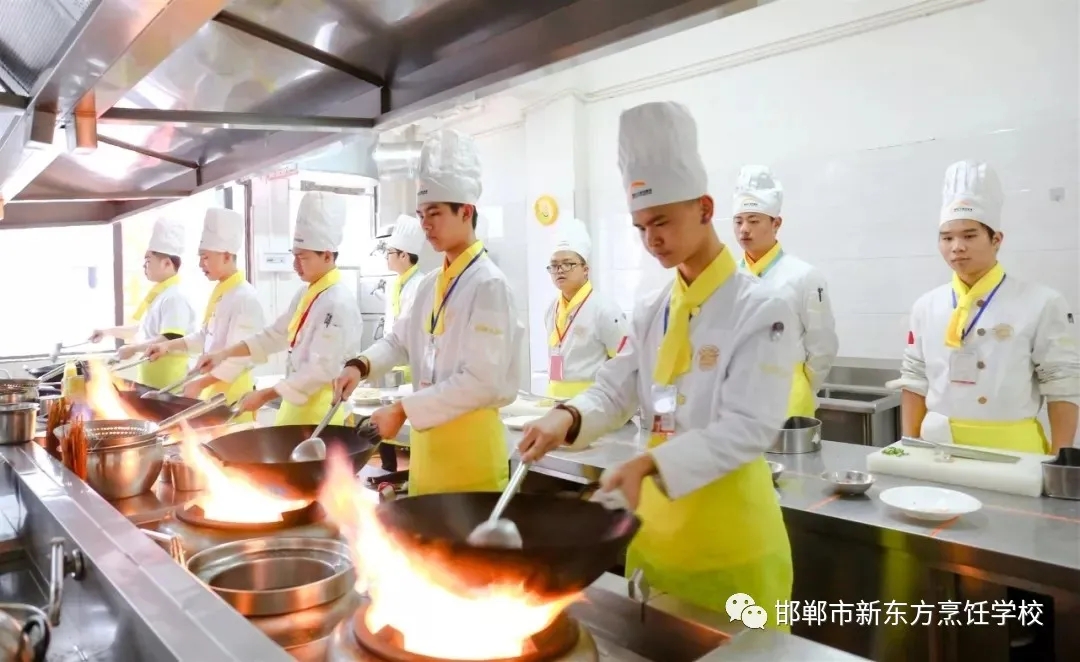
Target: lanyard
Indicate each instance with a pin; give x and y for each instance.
(570, 320)
(982, 309)
(303, 319)
(435, 315)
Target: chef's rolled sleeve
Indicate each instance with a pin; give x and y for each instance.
(611, 399)
(1055, 353)
(752, 406)
(272, 339)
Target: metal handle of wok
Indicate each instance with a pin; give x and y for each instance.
(56, 370)
(114, 364)
(172, 544)
(193, 411)
(184, 381)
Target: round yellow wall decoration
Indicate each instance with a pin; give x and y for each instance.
(546, 210)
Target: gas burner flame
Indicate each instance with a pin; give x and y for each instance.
(103, 398)
(421, 597)
(230, 496)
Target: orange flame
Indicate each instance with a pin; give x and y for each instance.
(230, 496)
(421, 599)
(102, 396)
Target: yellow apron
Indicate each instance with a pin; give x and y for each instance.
(168, 369)
(468, 454)
(729, 536)
(312, 411)
(725, 538)
(566, 390)
(801, 402)
(243, 385)
(1024, 436)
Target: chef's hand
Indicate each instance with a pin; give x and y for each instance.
(544, 434)
(195, 388)
(388, 420)
(256, 399)
(628, 477)
(157, 350)
(126, 352)
(208, 362)
(97, 336)
(346, 382)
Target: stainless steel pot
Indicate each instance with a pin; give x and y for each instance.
(119, 472)
(800, 434)
(18, 390)
(18, 423)
(269, 576)
(48, 403)
(25, 639)
(183, 476)
(1061, 476)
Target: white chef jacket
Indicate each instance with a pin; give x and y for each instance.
(803, 285)
(596, 334)
(330, 336)
(736, 392)
(237, 317)
(478, 354)
(408, 295)
(170, 312)
(1026, 344)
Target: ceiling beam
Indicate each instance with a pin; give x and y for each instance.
(119, 196)
(16, 103)
(58, 214)
(263, 33)
(112, 47)
(108, 140)
(228, 120)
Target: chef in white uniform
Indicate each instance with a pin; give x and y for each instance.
(709, 360)
(986, 350)
(232, 313)
(321, 329)
(461, 338)
(584, 328)
(164, 313)
(757, 220)
(403, 258)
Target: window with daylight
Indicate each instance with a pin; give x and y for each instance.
(61, 281)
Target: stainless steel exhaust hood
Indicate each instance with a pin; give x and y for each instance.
(192, 94)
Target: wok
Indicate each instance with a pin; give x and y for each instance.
(262, 454)
(567, 543)
(162, 406)
(41, 370)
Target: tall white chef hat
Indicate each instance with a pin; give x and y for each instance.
(320, 222)
(573, 236)
(757, 191)
(449, 169)
(972, 191)
(408, 236)
(658, 155)
(167, 237)
(222, 231)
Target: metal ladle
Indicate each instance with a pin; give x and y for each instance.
(187, 379)
(313, 448)
(495, 531)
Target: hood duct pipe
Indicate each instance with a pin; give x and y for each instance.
(398, 164)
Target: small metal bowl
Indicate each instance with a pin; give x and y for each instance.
(848, 482)
(776, 469)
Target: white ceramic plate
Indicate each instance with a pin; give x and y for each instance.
(519, 422)
(933, 504)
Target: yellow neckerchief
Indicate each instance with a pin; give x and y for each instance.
(313, 291)
(676, 354)
(562, 312)
(222, 288)
(153, 294)
(395, 294)
(767, 260)
(965, 301)
(442, 284)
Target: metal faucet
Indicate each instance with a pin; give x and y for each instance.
(381, 287)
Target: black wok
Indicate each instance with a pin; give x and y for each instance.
(159, 407)
(39, 371)
(568, 543)
(262, 454)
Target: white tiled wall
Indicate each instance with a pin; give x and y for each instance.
(859, 129)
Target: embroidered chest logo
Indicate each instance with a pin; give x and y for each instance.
(707, 357)
(1003, 331)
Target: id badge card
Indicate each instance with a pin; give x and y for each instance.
(665, 401)
(555, 365)
(427, 370)
(964, 367)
